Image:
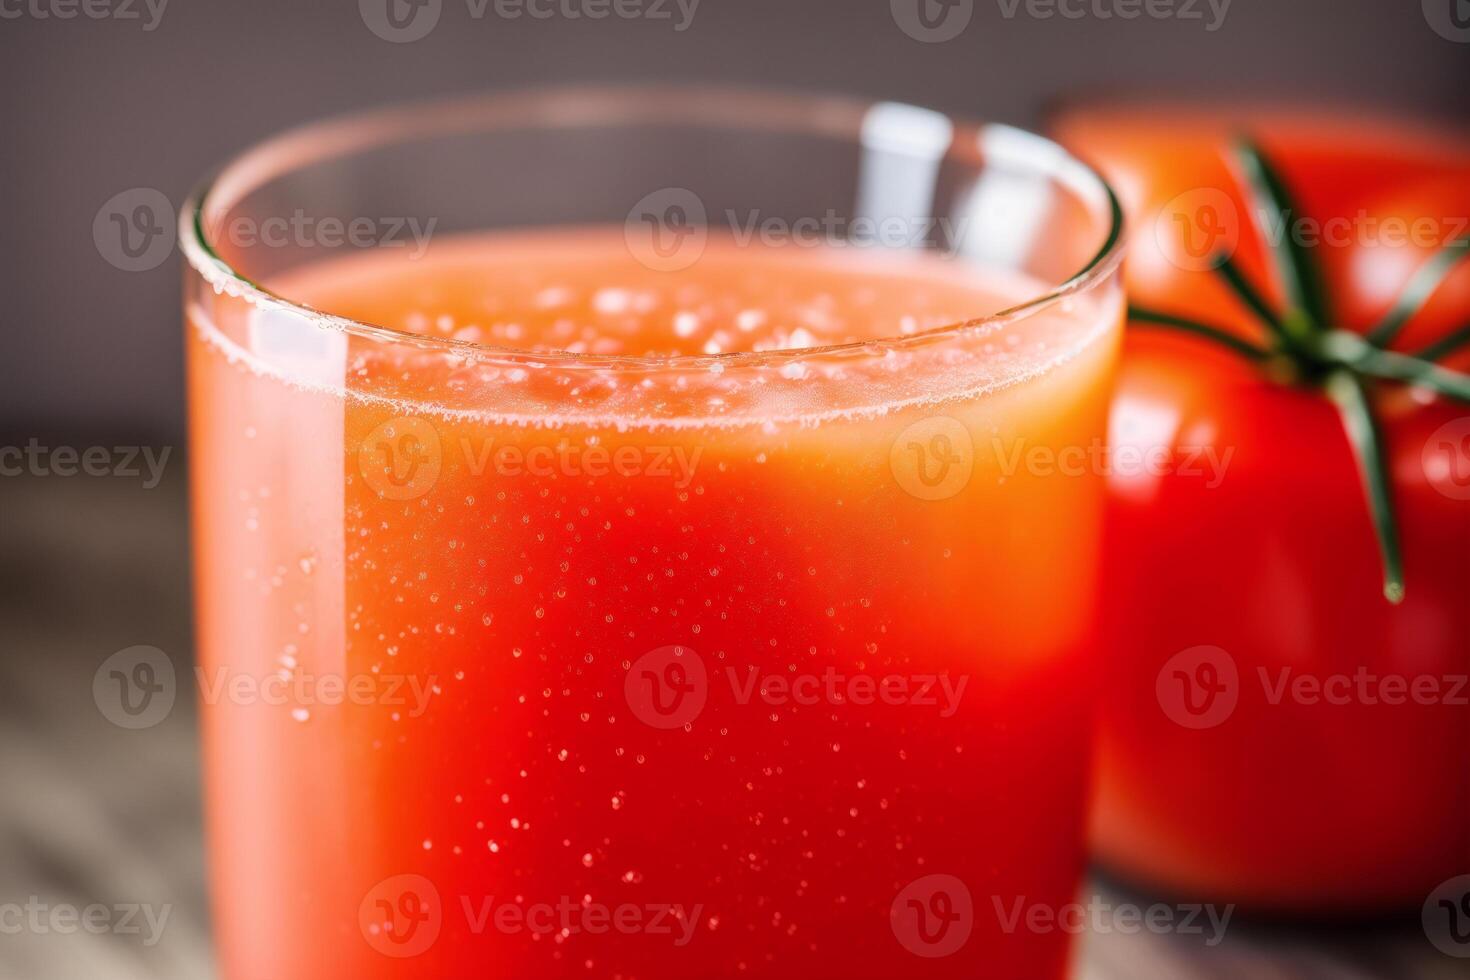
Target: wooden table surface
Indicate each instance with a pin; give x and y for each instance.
(90, 813)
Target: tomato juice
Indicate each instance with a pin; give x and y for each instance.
(638, 628)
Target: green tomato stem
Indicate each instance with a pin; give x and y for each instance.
(1422, 285)
(1306, 350)
(1348, 394)
(1446, 345)
(1352, 351)
(1274, 209)
(1248, 295)
(1147, 317)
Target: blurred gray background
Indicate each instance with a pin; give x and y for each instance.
(93, 107)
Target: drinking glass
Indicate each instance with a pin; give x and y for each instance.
(647, 533)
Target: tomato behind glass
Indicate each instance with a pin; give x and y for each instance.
(1278, 733)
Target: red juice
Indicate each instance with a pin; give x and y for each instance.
(640, 633)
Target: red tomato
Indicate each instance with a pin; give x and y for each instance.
(1278, 734)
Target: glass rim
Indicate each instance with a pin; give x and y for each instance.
(611, 106)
